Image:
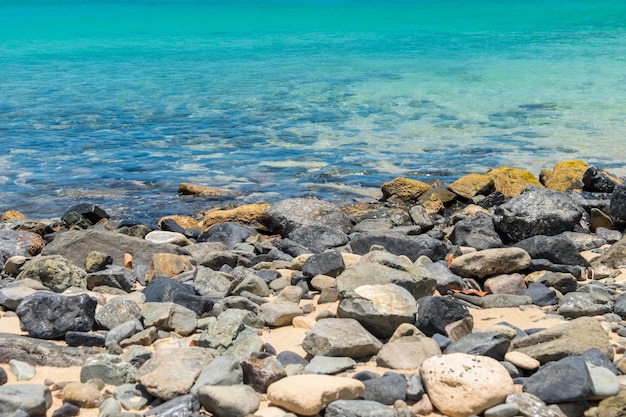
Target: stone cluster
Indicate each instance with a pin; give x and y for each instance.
(169, 322)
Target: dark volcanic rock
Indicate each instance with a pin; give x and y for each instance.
(164, 289)
(386, 389)
(477, 232)
(411, 246)
(600, 181)
(318, 238)
(227, 233)
(556, 249)
(618, 202)
(541, 295)
(548, 382)
(435, 313)
(113, 276)
(90, 212)
(491, 344)
(260, 370)
(287, 215)
(47, 315)
(537, 211)
(326, 263)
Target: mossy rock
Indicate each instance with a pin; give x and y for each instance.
(471, 185)
(512, 181)
(404, 188)
(254, 215)
(12, 215)
(566, 176)
(186, 222)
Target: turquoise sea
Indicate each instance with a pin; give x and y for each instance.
(116, 102)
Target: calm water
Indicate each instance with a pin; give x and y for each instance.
(117, 102)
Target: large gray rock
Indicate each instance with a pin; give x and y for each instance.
(222, 370)
(381, 267)
(491, 262)
(477, 232)
(116, 312)
(114, 276)
(537, 211)
(386, 390)
(11, 297)
(212, 284)
(169, 317)
(618, 202)
(278, 315)
(229, 401)
(328, 263)
(42, 353)
(579, 304)
(359, 408)
(288, 215)
(171, 372)
(33, 399)
(491, 344)
(567, 339)
(76, 245)
(318, 238)
(556, 249)
(340, 337)
(411, 246)
(379, 308)
(55, 272)
(47, 315)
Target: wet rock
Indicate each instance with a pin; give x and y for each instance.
(55, 272)
(537, 212)
(340, 337)
(568, 339)
(600, 181)
(411, 246)
(47, 315)
(321, 391)
(491, 262)
(380, 267)
(109, 368)
(33, 399)
(477, 231)
(171, 372)
(229, 401)
(556, 249)
(460, 385)
(435, 313)
(379, 308)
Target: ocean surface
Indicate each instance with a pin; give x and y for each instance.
(116, 102)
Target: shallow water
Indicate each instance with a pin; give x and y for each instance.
(117, 103)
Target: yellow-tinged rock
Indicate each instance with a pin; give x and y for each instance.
(404, 188)
(472, 185)
(566, 176)
(12, 214)
(168, 264)
(186, 222)
(186, 188)
(250, 214)
(512, 181)
(434, 204)
(84, 395)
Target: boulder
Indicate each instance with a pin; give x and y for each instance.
(411, 246)
(537, 211)
(511, 182)
(47, 315)
(288, 215)
(471, 185)
(340, 337)
(547, 383)
(405, 189)
(566, 176)
(600, 181)
(116, 312)
(318, 238)
(491, 262)
(477, 231)
(55, 272)
(113, 276)
(19, 243)
(556, 249)
(579, 304)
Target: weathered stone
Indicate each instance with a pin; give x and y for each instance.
(97, 261)
(445, 280)
(184, 405)
(167, 290)
(11, 297)
(491, 344)
(33, 399)
(321, 390)
(168, 265)
(229, 401)
(318, 238)
(512, 181)
(505, 284)
(340, 337)
(567, 339)
(435, 313)
(477, 231)
(249, 214)
(566, 176)
(460, 385)
(73, 338)
(328, 263)
(19, 243)
(222, 370)
(55, 272)
(116, 312)
(578, 304)
(113, 276)
(169, 317)
(379, 308)
(122, 331)
(404, 188)
(40, 352)
(329, 365)
(471, 185)
(613, 406)
(170, 373)
(537, 211)
(380, 267)
(109, 368)
(359, 408)
(278, 315)
(47, 315)
(407, 352)
(561, 281)
(491, 262)
(84, 395)
(618, 202)
(288, 215)
(598, 180)
(260, 370)
(161, 236)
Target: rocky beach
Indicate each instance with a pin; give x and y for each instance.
(500, 294)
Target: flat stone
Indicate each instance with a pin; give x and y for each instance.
(407, 352)
(229, 401)
(547, 383)
(604, 383)
(328, 365)
(340, 337)
(521, 360)
(579, 304)
(359, 408)
(491, 262)
(278, 315)
(84, 395)
(109, 368)
(321, 390)
(41, 353)
(222, 370)
(23, 371)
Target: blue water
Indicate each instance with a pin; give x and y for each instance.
(117, 102)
